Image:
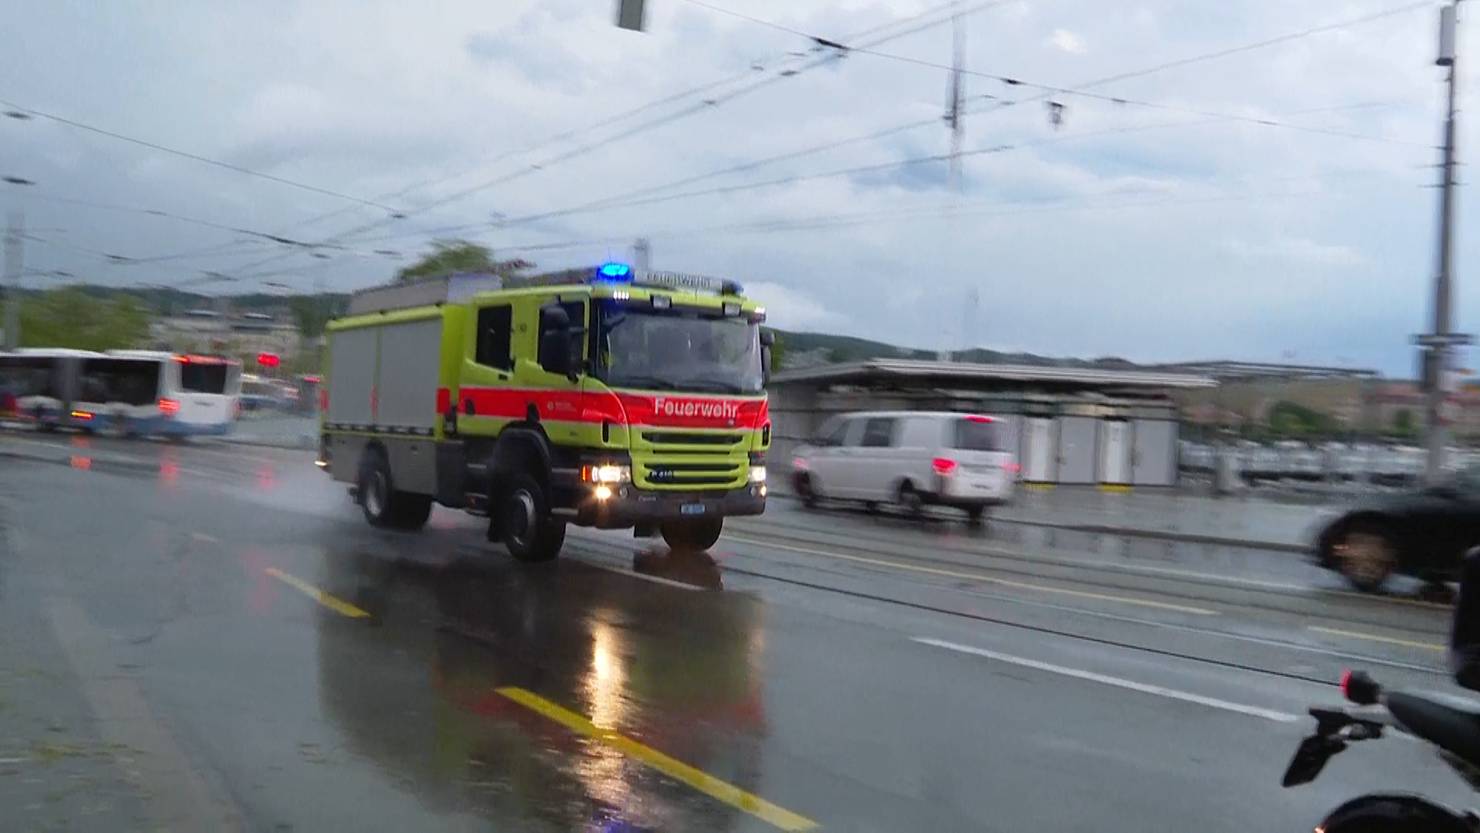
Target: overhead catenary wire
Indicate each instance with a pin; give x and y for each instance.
(794, 224)
(1082, 89)
(31, 111)
(643, 126)
(586, 128)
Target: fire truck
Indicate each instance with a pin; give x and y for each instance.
(604, 397)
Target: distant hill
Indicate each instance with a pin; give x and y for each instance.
(804, 349)
(167, 301)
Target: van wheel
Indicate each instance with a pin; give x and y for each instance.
(909, 500)
(375, 492)
(529, 533)
(805, 490)
(692, 536)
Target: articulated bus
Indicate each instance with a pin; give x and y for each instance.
(127, 392)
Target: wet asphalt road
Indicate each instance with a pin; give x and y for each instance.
(211, 638)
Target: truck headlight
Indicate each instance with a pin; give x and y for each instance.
(606, 474)
(757, 474)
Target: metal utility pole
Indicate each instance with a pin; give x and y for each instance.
(1439, 371)
(642, 255)
(14, 240)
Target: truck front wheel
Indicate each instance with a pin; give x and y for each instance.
(694, 536)
(529, 532)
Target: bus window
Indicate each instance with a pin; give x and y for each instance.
(127, 381)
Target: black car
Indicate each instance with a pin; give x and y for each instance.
(1421, 533)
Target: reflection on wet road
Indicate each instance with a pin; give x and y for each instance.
(201, 637)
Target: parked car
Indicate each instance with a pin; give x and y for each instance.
(1421, 532)
(911, 459)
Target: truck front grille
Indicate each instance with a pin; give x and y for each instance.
(679, 459)
(656, 474)
(694, 441)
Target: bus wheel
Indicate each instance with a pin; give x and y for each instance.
(692, 536)
(529, 533)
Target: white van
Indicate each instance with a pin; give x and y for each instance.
(910, 459)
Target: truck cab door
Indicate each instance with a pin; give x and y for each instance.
(482, 400)
(555, 398)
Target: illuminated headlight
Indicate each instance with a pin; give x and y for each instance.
(757, 474)
(606, 474)
(603, 492)
(613, 474)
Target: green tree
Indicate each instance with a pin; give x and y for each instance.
(449, 257)
(70, 317)
(310, 314)
(1403, 423)
(1292, 419)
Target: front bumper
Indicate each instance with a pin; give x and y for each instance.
(629, 506)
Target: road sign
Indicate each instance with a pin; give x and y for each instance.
(1445, 340)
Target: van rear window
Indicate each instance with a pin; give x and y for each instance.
(979, 435)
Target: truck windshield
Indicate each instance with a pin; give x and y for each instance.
(678, 349)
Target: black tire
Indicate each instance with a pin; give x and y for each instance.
(526, 528)
(909, 500)
(804, 490)
(871, 507)
(975, 516)
(1366, 554)
(693, 535)
(411, 510)
(376, 494)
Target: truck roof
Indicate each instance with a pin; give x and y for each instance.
(462, 287)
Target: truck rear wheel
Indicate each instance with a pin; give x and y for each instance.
(694, 536)
(375, 493)
(385, 506)
(529, 533)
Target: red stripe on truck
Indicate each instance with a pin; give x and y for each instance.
(661, 410)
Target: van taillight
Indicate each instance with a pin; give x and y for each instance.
(1013, 468)
(943, 466)
(169, 407)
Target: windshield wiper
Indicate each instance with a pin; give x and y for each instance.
(716, 387)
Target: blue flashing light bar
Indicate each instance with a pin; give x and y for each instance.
(614, 272)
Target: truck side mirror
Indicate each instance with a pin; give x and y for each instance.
(768, 338)
(555, 341)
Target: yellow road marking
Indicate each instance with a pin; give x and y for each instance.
(678, 770)
(1115, 488)
(1389, 640)
(1021, 585)
(335, 604)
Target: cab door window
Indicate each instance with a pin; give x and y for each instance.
(495, 333)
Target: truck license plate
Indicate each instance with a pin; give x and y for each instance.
(691, 509)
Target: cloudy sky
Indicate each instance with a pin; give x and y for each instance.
(1273, 203)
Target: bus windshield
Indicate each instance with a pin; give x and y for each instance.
(678, 349)
(203, 377)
